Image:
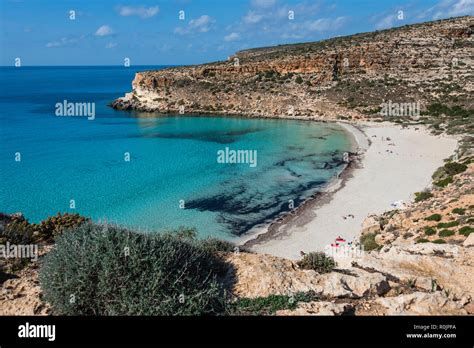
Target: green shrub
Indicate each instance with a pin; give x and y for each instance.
(48, 229)
(429, 231)
(439, 241)
(434, 217)
(459, 211)
(446, 233)
(317, 261)
(299, 79)
(453, 168)
(422, 196)
(438, 174)
(448, 224)
(214, 245)
(100, 269)
(466, 230)
(261, 305)
(444, 182)
(17, 231)
(268, 305)
(368, 242)
(422, 240)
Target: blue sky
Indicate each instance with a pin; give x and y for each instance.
(105, 32)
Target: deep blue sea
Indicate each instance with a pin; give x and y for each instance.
(173, 159)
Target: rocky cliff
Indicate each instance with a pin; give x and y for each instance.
(345, 77)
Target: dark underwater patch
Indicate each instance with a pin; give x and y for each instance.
(240, 209)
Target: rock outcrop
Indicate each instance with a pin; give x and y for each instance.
(345, 77)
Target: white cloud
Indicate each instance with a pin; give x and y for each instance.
(326, 24)
(387, 22)
(201, 25)
(104, 30)
(275, 26)
(139, 11)
(454, 8)
(111, 45)
(64, 41)
(232, 37)
(263, 3)
(252, 17)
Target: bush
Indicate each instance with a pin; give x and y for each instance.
(261, 305)
(429, 231)
(368, 242)
(448, 224)
(317, 261)
(100, 269)
(53, 226)
(434, 217)
(214, 245)
(422, 240)
(453, 168)
(444, 182)
(466, 230)
(299, 80)
(422, 196)
(446, 233)
(459, 211)
(439, 241)
(17, 231)
(268, 305)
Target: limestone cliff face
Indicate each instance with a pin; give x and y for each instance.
(327, 79)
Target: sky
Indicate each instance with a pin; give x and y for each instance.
(179, 32)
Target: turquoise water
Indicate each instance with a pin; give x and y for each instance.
(173, 159)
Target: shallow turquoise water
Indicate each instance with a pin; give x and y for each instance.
(172, 158)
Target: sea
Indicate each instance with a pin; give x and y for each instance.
(221, 175)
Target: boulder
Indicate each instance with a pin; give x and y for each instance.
(384, 238)
(370, 225)
(417, 303)
(469, 240)
(357, 284)
(448, 266)
(260, 275)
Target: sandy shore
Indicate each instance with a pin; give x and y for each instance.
(395, 163)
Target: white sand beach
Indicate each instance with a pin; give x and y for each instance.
(390, 170)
